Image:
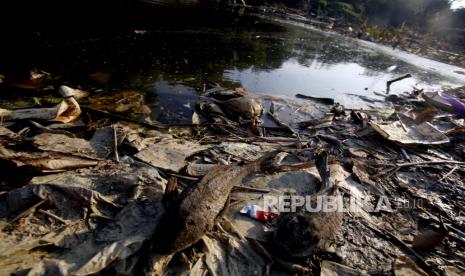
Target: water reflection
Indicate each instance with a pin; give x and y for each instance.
(172, 103)
(172, 62)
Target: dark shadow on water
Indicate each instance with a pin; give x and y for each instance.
(160, 51)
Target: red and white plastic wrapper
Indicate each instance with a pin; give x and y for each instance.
(257, 212)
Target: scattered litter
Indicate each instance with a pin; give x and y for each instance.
(86, 195)
(256, 212)
(445, 102)
(406, 132)
(66, 111)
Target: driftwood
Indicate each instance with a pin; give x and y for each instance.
(389, 83)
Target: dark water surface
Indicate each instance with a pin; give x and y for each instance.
(170, 55)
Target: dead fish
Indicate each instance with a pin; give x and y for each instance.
(243, 107)
(195, 211)
(223, 95)
(303, 233)
(210, 109)
(213, 113)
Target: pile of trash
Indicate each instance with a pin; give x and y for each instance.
(100, 188)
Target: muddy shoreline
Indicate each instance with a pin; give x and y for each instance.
(408, 41)
(92, 187)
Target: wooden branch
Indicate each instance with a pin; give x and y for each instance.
(53, 216)
(116, 144)
(389, 83)
(425, 163)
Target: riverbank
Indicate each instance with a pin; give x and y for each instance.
(86, 184)
(407, 40)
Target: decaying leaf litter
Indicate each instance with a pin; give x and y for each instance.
(91, 185)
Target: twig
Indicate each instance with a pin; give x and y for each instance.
(53, 216)
(429, 163)
(457, 232)
(279, 123)
(28, 211)
(55, 131)
(126, 98)
(184, 177)
(401, 123)
(116, 144)
(389, 83)
(449, 173)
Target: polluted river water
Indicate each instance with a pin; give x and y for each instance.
(171, 63)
